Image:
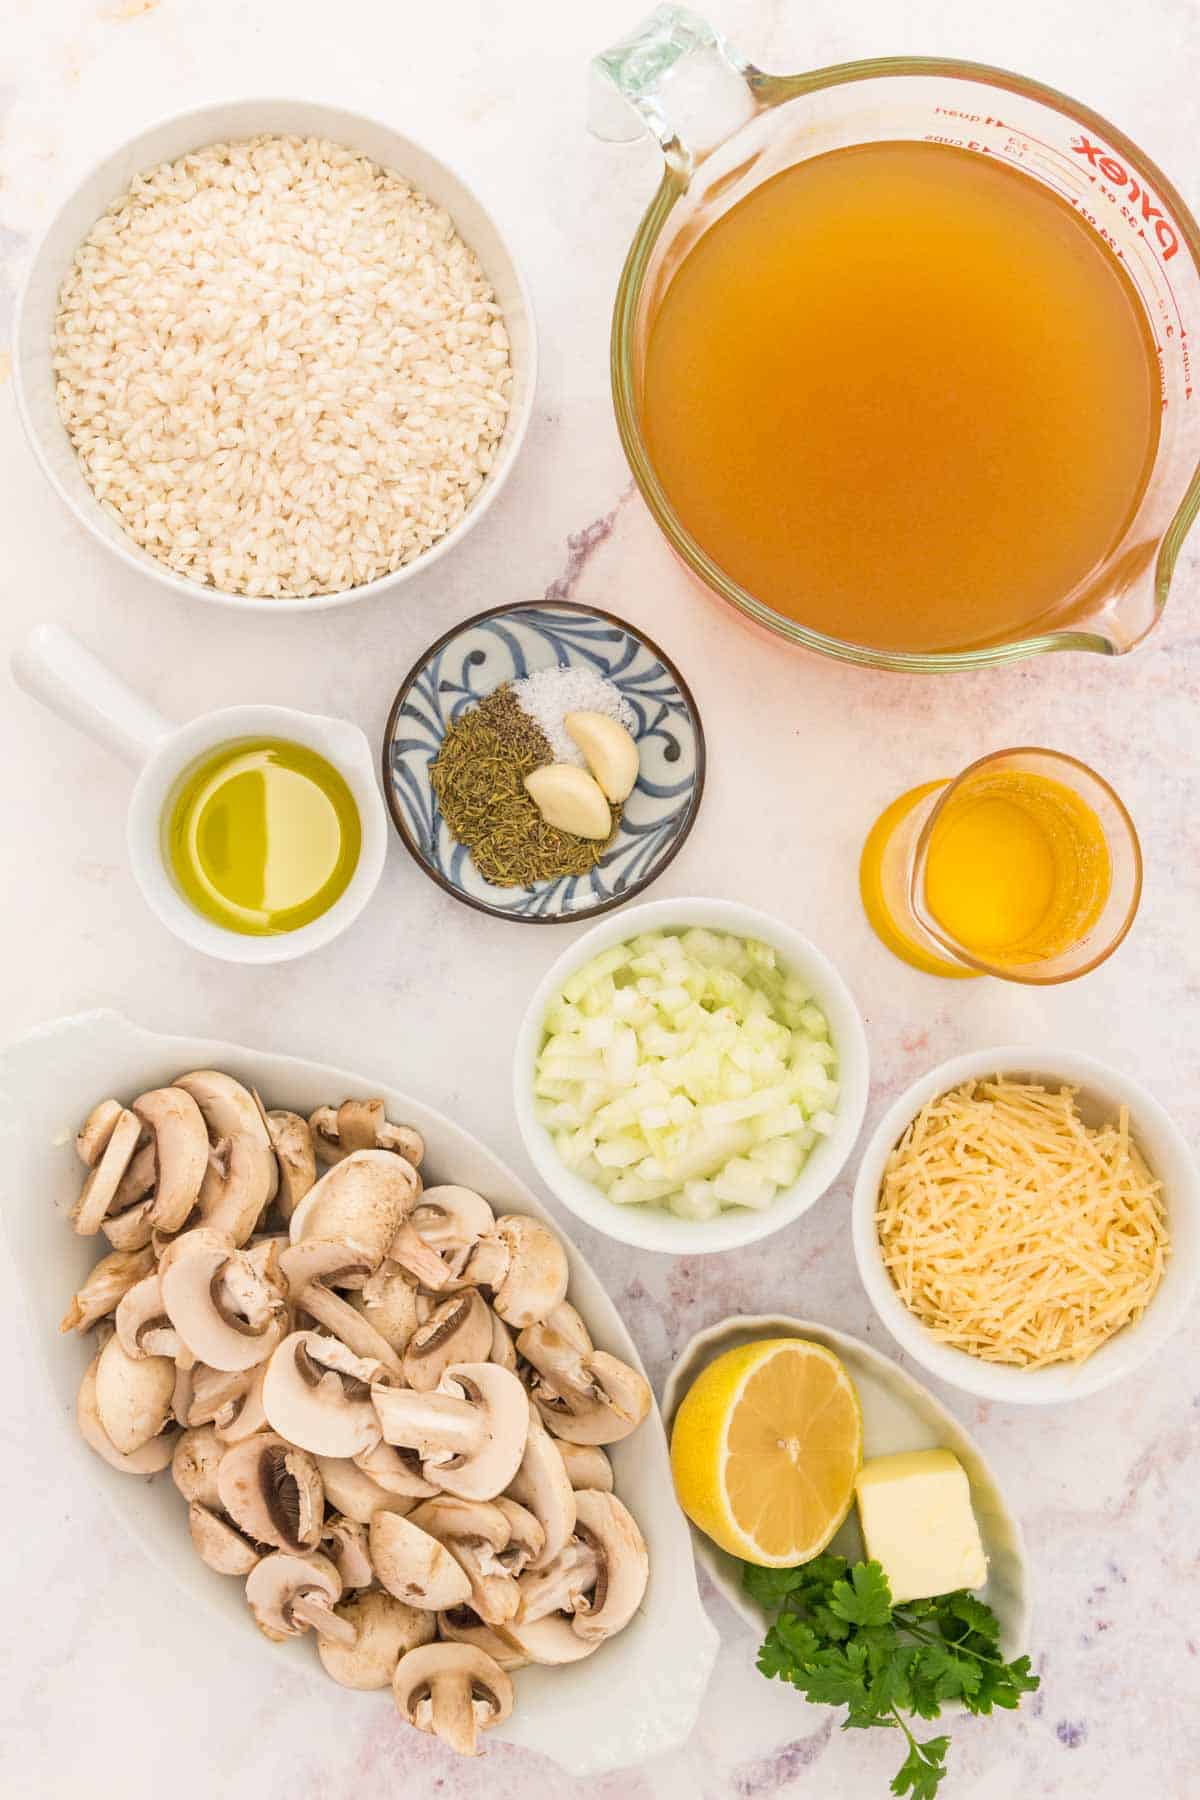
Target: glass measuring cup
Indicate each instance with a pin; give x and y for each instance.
(900, 880)
(726, 126)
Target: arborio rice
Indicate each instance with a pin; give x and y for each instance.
(282, 369)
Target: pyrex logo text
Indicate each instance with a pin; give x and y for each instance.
(1112, 170)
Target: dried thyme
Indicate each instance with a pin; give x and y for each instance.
(478, 779)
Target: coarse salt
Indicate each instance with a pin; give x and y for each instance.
(548, 695)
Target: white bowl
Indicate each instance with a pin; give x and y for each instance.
(898, 1414)
(653, 1227)
(1101, 1092)
(33, 377)
(57, 670)
(638, 1695)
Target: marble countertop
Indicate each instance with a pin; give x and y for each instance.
(107, 1684)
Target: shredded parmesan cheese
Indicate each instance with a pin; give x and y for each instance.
(1016, 1232)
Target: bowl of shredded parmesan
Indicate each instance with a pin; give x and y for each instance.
(1027, 1224)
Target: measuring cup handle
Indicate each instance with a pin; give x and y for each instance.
(56, 669)
(677, 77)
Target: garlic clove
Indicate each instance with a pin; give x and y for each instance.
(569, 799)
(611, 753)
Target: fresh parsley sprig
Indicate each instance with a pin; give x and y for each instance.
(841, 1641)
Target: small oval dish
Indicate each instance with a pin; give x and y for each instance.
(1102, 1091)
(653, 1227)
(898, 1414)
(507, 643)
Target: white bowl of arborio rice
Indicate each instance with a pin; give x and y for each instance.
(1027, 1224)
(275, 355)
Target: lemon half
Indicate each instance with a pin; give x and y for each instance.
(765, 1448)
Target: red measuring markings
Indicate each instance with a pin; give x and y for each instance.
(1096, 157)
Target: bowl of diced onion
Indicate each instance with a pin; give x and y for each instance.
(691, 1076)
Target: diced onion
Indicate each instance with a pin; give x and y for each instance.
(686, 1069)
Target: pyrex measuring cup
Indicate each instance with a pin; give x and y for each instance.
(58, 671)
(726, 127)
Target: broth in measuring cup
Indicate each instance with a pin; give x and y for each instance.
(904, 395)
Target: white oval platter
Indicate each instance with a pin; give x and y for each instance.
(647, 1685)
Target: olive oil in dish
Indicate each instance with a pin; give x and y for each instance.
(262, 836)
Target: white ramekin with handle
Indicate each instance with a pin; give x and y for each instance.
(33, 374)
(55, 668)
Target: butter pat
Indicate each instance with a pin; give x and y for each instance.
(917, 1521)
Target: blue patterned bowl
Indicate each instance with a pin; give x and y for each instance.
(505, 644)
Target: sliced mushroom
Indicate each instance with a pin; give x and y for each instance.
(454, 1691)
(137, 1183)
(396, 1471)
(414, 1566)
(445, 1225)
(288, 1594)
(457, 1330)
(295, 1158)
(352, 1327)
(386, 1629)
(112, 1157)
(236, 1186)
(563, 1586)
(344, 1542)
(463, 1625)
(526, 1539)
(106, 1286)
(147, 1460)
(194, 1464)
(177, 1126)
(92, 1138)
(318, 1395)
(504, 1351)
(226, 1311)
(132, 1229)
(474, 1532)
(133, 1396)
(542, 1484)
(240, 1418)
(219, 1543)
(584, 1395)
(356, 1211)
(524, 1265)
(227, 1107)
(607, 1527)
(470, 1433)
(273, 1492)
(334, 1264)
(586, 1464)
(362, 1125)
(551, 1641)
(388, 1301)
(597, 1581)
(217, 1395)
(142, 1324)
(355, 1493)
(182, 1391)
(273, 1179)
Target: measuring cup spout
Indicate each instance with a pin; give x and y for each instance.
(55, 668)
